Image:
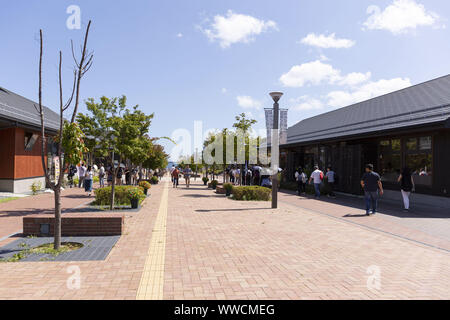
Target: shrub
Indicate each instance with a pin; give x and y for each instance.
(121, 196)
(154, 180)
(205, 179)
(252, 193)
(145, 184)
(75, 181)
(228, 187)
(214, 184)
(96, 179)
(36, 187)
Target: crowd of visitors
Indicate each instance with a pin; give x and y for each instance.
(370, 183)
(124, 176)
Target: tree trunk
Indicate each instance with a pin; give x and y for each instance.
(224, 175)
(111, 206)
(113, 184)
(57, 231)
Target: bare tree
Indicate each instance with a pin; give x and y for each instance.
(82, 66)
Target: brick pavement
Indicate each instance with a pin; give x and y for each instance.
(117, 277)
(216, 248)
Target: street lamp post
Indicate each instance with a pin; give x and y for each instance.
(274, 150)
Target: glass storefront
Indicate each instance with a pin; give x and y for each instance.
(414, 153)
(419, 159)
(390, 159)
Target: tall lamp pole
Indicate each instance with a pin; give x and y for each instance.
(274, 150)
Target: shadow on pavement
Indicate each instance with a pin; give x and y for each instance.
(385, 207)
(203, 196)
(230, 210)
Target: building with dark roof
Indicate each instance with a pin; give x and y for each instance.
(406, 128)
(20, 143)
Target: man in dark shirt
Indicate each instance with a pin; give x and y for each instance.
(371, 183)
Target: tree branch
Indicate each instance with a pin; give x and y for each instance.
(81, 70)
(41, 113)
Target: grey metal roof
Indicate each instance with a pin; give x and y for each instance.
(14, 107)
(425, 103)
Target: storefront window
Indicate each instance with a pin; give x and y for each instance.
(411, 144)
(390, 159)
(419, 159)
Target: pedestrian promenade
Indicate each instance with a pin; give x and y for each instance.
(195, 244)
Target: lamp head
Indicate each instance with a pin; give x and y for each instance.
(276, 96)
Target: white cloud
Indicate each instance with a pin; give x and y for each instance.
(235, 28)
(355, 78)
(249, 114)
(400, 17)
(248, 102)
(315, 72)
(366, 91)
(325, 42)
(180, 35)
(305, 103)
(323, 57)
(224, 90)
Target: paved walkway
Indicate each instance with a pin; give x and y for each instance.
(194, 244)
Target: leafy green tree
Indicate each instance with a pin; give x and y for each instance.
(157, 158)
(117, 132)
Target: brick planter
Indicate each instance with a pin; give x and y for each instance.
(221, 190)
(101, 225)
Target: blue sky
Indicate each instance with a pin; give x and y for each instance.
(210, 60)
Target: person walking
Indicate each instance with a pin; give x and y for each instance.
(373, 188)
(119, 176)
(301, 179)
(109, 178)
(187, 176)
(407, 186)
(175, 177)
(134, 176)
(171, 172)
(72, 172)
(331, 179)
(88, 179)
(81, 174)
(101, 175)
(237, 176)
(316, 177)
(257, 177)
(248, 177)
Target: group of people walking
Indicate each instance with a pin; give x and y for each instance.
(175, 174)
(248, 176)
(373, 188)
(86, 173)
(370, 182)
(85, 176)
(317, 178)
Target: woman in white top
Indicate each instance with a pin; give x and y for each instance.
(88, 179)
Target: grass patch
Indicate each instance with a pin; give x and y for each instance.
(43, 249)
(8, 199)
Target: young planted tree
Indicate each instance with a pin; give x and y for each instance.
(70, 137)
(245, 126)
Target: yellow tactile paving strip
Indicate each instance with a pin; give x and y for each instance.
(152, 281)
